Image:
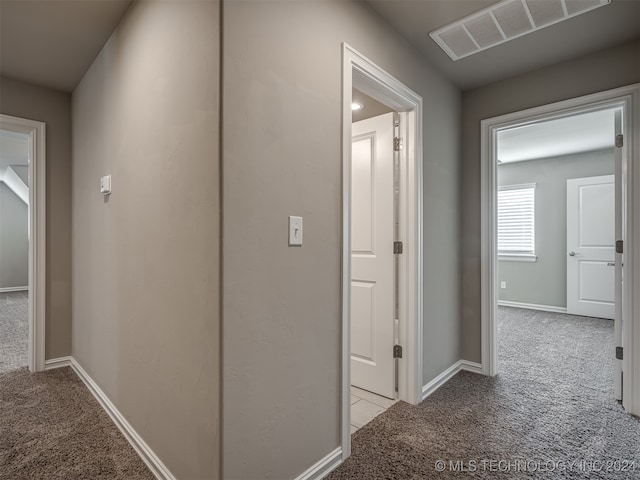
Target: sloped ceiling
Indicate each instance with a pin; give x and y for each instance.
(53, 42)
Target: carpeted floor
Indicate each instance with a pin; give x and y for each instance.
(14, 330)
(51, 428)
(550, 413)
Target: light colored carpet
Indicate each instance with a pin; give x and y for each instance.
(550, 413)
(51, 428)
(14, 330)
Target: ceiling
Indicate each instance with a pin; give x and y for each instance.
(370, 106)
(53, 42)
(563, 136)
(601, 28)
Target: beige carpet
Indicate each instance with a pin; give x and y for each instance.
(51, 428)
(550, 413)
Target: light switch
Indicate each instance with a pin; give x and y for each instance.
(105, 185)
(295, 231)
(503, 284)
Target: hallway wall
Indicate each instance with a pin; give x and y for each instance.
(24, 100)
(145, 259)
(282, 75)
(605, 70)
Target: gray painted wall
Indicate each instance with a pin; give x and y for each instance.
(14, 239)
(145, 260)
(54, 108)
(593, 73)
(545, 281)
(281, 146)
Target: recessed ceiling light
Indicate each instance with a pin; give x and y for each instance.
(504, 21)
(356, 106)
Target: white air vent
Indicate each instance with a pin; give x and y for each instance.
(505, 21)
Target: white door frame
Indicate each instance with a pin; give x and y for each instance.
(37, 237)
(627, 98)
(361, 73)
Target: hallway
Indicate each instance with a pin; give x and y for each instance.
(550, 412)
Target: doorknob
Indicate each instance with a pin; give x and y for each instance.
(572, 254)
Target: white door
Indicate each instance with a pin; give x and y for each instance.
(372, 262)
(591, 246)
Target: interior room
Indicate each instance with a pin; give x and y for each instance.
(198, 309)
(14, 249)
(556, 215)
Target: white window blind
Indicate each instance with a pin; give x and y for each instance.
(516, 220)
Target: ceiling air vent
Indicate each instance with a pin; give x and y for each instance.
(505, 21)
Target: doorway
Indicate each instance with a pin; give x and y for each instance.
(23, 172)
(368, 79)
(623, 101)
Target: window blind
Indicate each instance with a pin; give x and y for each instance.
(516, 219)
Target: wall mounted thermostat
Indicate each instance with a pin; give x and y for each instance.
(105, 185)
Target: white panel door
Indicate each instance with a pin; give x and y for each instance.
(591, 246)
(372, 262)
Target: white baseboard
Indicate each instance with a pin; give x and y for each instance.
(57, 363)
(13, 289)
(440, 380)
(472, 367)
(445, 376)
(323, 467)
(532, 306)
(159, 470)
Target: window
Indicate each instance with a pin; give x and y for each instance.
(516, 222)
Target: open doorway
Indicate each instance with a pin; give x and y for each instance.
(595, 195)
(556, 216)
(14, 249)
(22, 243)
(374, 217)
(399, 348)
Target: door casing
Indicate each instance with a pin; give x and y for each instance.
(359, 72)
(37, 238)
(628, 99)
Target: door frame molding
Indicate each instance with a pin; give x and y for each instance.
(37, 238)
(628, 98)
(360, 72)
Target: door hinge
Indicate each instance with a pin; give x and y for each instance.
(618, 353)
(397, 248)
(397, 144)
(619, 140)
(397, 351)
(619, 246)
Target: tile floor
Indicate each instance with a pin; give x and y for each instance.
(365, 406)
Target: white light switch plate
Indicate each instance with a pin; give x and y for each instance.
(105, 185)
(295, 231)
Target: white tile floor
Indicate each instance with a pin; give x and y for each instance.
(365, 406)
